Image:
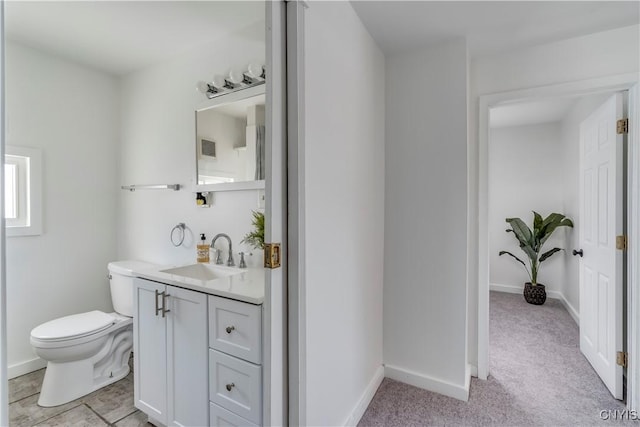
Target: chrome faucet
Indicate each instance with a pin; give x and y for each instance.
(230, 262)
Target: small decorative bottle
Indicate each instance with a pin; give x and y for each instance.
(203, 249)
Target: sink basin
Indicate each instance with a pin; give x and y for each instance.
(202, 271)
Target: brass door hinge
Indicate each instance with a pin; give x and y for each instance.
(622, 126)
(621, 242)
(621, 358)
(272, 255)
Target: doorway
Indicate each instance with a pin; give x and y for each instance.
(599, 86)
(535, 164)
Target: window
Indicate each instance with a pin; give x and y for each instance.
(22, 191)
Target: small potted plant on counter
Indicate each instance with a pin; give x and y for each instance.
(531, 243)
(255, 238)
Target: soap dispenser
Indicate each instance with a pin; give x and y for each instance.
(202, 249)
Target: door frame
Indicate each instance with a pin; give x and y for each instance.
(4, 381)
(296, 227)
(274, 328)
(613, 83)
(633, 252)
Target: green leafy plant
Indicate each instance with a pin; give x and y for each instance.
(255, 238)
(531, 242)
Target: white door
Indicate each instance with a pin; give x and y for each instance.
(187, 358)
(150, 351)
(601, 220)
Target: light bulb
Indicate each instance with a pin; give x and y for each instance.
(202, 87)
(236, 76)
(218, 81)
(254, 70)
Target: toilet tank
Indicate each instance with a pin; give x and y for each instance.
(121, 275)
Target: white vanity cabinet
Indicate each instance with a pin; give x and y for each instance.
(170, 354)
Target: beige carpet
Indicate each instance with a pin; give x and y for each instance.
(538, 377)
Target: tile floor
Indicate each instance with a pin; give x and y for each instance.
(110, 406)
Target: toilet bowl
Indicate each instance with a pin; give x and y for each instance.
(87, 351)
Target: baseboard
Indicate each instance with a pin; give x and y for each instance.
(572, 311)
(457, 391)
(365, 399)
(467, 379)
(473, 370)
(25, 367)
(511, 289)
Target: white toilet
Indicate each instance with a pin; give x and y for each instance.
(87, 351)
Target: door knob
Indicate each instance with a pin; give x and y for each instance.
(230, 386)
(230, 329)
(578, 253)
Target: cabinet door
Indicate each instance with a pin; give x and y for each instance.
(149, 347)
(187, 359)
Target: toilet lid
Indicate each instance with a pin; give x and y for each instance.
(74, 326)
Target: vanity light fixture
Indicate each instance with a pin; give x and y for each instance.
(236, 80)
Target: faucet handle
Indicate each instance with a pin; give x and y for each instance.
(218, 255)
(242, 263)
(230, 262)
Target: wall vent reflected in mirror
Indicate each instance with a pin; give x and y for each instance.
(230, 140)
(206, 149)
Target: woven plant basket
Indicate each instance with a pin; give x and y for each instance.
(534, 294)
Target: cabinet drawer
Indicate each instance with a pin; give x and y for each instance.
(236, 385)
(235, 328)
(218, 416)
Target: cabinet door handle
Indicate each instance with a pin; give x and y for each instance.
(158, 309)
(164, 304)
(230, 386)
(230, 329)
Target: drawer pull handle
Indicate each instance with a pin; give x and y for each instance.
(230, 329)
(230, 386)
(158, 308)
(164, 304)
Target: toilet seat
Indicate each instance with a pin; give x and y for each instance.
(70, 342)
(72, 327)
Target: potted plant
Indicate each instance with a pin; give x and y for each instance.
(255, 238)
(531, 243)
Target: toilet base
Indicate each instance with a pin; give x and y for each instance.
(67, 381)
(64, 382)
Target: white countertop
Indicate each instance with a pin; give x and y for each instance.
(247, 285)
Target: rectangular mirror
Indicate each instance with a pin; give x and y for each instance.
(230, 141)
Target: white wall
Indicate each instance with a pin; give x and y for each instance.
(570, 132)
(344, 196)
(526, 173)
(71, 113)
(425, 218)
(595, 55)
(158, 136)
